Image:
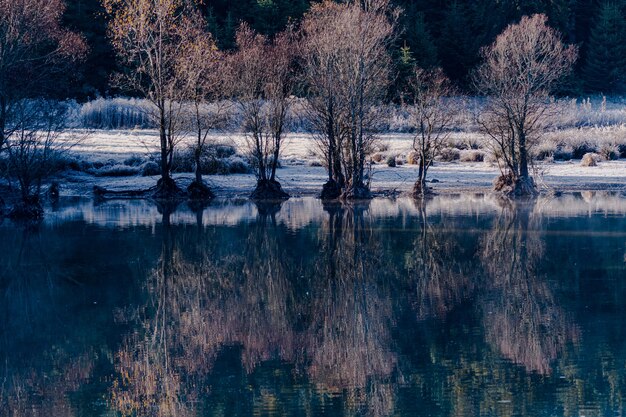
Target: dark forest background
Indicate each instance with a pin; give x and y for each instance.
(445, 33)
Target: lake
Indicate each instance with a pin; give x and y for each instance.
(462, 305)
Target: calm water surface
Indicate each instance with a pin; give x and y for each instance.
(460, 306)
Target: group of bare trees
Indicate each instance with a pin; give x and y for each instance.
(347, 69)
(338, 57)
(168, 56)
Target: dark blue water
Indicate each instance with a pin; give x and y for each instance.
(460, 306)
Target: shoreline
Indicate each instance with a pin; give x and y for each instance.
(444, 178)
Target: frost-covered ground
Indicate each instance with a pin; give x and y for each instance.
(301, 174)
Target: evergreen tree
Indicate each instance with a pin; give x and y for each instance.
(421, 43)
(605, 66)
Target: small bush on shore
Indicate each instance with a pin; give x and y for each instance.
(590, 160)
(563, 153)
(472, 156)
(116, 171)
(609, 152)
(150, 168)
(134, 161)
(449, 155)
(581, 149)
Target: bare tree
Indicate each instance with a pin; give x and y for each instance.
(432, 116)
(35, 54)
(199, 66)
(519, 72)
(33, 150)
(348, 72)
(321, 59)
(262, 83)
(149, 38)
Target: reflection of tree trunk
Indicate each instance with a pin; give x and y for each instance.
(441, 282)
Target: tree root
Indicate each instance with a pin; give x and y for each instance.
(268, 190)
(513, 187)
(357, 192)
(331, 190)
(199, 190)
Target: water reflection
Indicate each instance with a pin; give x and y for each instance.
(522, 318)
(439, 267)
(390, 308)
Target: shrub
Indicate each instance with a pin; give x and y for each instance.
(543, 151)
(449, 154)
(381, 147)
(134, 161)
(562, 153)
(413, 158)
(150, 168)
(116, 113)
(609, 152)
(391, 161)
(67, 162)
(220, 151)
(237, 165)
(590, 160)
(377, 157)
(472, 156)
(116, 171)
(581, 149)
(183, 161)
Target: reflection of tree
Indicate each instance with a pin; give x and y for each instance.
(442, 280)
(197, 305)
(148, 381)
(348, 340)
(521, 316)
(201, 301)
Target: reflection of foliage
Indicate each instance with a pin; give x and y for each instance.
(196, 307)
(349, 339)
(522, 318)
(345, 314)
(199, 305)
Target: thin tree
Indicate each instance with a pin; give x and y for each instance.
(200, 65)
(262, 81)
(148, 36)
(432, 114)
(519, 72)
(33, 150)
(321, 58)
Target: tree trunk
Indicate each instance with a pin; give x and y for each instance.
(198, 171)
(165, 169)
(275, 161)
(523, 157)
